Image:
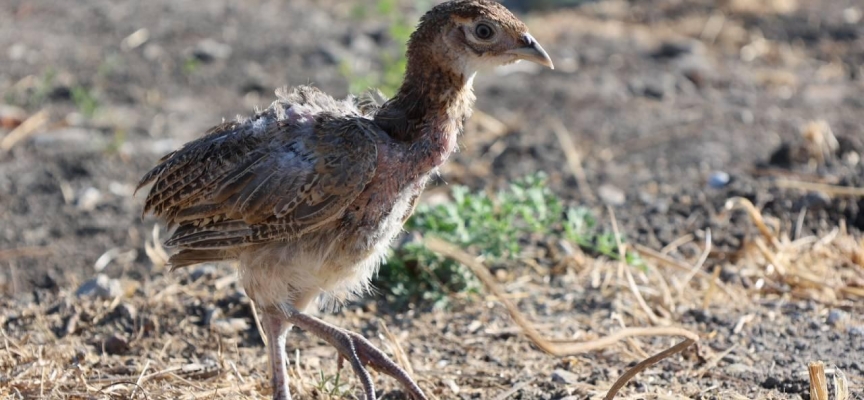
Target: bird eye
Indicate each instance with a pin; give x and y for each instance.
(484, 32)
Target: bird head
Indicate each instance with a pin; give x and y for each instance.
(473, 35)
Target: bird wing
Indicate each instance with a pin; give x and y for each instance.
(242, 184)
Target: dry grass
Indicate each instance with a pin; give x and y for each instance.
(175, 337)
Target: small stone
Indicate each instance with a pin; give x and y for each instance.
(121, 189)
(101, 286)
(852, 15)
(474, 326)
(718, 179)
(153, 52)
(611, 195)
(661, 206)
(816, 200)
(17, 51)
(699, 315)
(115, 345)
(738, 369)
(363, 44)
(835, 317)
(11, 116)
(856, 331)
(654, 91)
(136, 39)
(331, 53)
(771, 382)
(673, 49)
(852, 158)
(126, 311)
(452, 385)
(564, 376)
(211, 314)
(209, 50)
(746, 117)
(205, 270)
(230, 326)
(88, 199)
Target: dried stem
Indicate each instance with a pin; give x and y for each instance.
(561, 349)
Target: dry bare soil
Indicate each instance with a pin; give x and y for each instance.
(654, 104)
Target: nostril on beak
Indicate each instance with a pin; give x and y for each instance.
(532, 51)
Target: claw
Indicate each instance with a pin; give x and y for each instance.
(359, 352)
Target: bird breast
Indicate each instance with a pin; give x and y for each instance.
(340, 260)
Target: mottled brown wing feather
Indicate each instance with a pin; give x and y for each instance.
(285, 184)
(181, 176)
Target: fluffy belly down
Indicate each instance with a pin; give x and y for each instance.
(333, 268)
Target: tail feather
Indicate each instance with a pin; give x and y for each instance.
(186, 258)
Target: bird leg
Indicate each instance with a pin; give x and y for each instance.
(359, 352)
(276, 327)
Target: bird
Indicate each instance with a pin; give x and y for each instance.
(307, 195)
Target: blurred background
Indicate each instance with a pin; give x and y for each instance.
(657, 114)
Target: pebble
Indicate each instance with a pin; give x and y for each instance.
(700, 316)
(126, 311)
(611, 195)
(673, 49)
(211, 314)
(564, 376)
(16, 52)
(718, 179)
(746, 117)
(332, 53)
(654, 91)
(121, 189)
(115, 345)
(856, 331)
(88, 199)
(816, 200)
(101, 286)
(661, 206)
(738, 369)
(136, 39)
(835, 317)
(363, 45)
(153, 52)
(11, 116)
(475, 326)
(205, 270)
(230, 326)
(208, 50)
(852, 15)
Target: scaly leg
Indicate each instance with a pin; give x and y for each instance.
(359, 352)
(276, 327)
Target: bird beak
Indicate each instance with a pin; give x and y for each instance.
(532, 51)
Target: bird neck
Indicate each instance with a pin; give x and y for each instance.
(429, 110)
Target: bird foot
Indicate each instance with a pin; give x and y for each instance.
(359, 352)
(372, 356)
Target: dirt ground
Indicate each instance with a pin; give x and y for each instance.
(672, 108)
